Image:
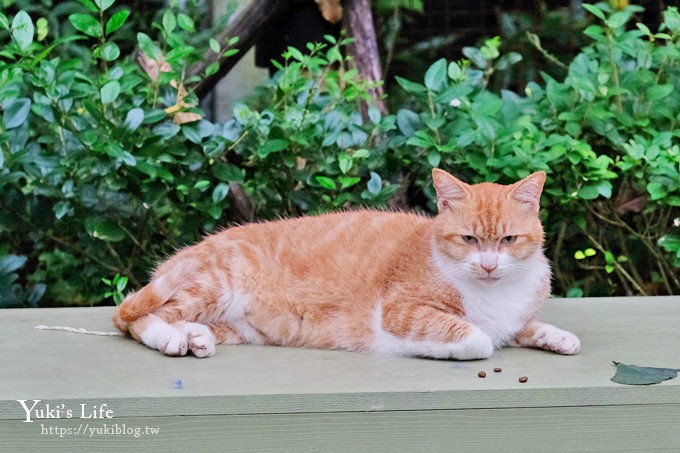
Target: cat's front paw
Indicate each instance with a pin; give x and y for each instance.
(201, 341)
(174, 345)
(558, 340)
(475, 345)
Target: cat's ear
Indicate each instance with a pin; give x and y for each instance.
(449, 188)
(528, 190)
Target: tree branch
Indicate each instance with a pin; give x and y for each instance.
(245, 25)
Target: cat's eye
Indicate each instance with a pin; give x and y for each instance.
(508, 239)
(469, 239)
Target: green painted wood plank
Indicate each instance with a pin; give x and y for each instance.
(572, 429)
(72, 369)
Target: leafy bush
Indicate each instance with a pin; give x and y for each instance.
(306, 148)
(607, 142)
(108, 163)
(104, 162)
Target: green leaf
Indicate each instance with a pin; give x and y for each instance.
(202, 185)
(574, 292)
(227, 172)
(475, 56)
(117, 20)
(105, 230)
(345, 163)
(408, 122)
(644, 29)
(10, 263)
(22, 30)
(410, 87)
(433, 158)
(272, 146)
(109, 92)
(435, 76)
(16, 112)
(121, 284)
(166, 130)
(657, 190)
(641, 375)
(361, 153)
(134, 118)
(579, 255)
(374, 184)
(220, 192)
(604, 188)
(348, 181)
(212, 68)
(104, 4)
(148, 46)
(4, 22)
(110, 51)
(594, 10)
(61, 209)
(185, 22)
(589, 192)
(656, 92)
(89, 5)
(618, 19)
(326, 182)
(670, 243)
(214, 45)
(169, 22)
(454, 71)
(86, 24)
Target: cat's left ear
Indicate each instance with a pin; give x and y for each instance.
(528, 190)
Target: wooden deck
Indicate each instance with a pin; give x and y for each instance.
(252, 398)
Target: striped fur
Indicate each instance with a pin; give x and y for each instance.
(457, 286)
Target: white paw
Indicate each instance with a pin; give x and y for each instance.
(476, 345)
(160, 335)
(175, 345)
(201, 340)
(558, 340)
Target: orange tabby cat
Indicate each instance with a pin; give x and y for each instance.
(456, 286)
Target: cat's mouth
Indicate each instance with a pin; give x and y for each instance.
(489, 278)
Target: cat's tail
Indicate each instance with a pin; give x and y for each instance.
(138, 304)
(168, 279)
(143, 302)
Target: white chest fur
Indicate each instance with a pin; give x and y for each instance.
(499, 308)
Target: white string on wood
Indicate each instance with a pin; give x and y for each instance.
(82, 331)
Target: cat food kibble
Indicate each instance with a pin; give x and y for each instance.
(482, 374)
(497, 370)
(523, 379)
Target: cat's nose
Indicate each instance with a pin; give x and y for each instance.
(488, 267)
(488, 261)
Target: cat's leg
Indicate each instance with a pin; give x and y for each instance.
(545, 336)
(155, 333)
(426, 331)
